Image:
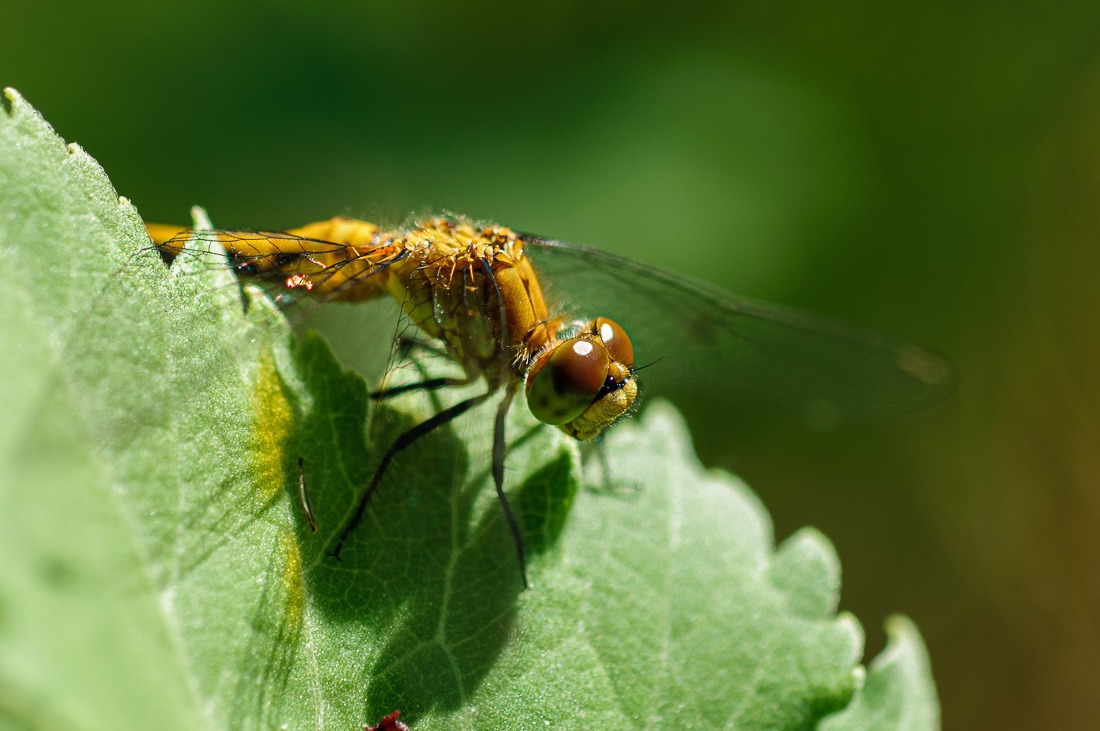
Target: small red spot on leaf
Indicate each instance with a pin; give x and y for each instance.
(389, 723)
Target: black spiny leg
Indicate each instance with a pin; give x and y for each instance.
(499, 448)
(429, 385)
(406, 344)
(405, 440)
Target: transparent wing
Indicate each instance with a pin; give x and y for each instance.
(365, 335)
(705, 343)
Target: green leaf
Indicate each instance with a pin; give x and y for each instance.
(899, 692)
(160, 571)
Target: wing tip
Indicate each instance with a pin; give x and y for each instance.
(926, 367)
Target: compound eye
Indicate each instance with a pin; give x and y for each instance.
(615, 340)
(562, 384)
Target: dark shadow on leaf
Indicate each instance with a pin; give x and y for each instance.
(430, 575)
(547, 498)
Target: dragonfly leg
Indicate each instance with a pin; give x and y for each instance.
(406, 439)
(430, 384)
(406, 344)
(608, 484)
(499, 450)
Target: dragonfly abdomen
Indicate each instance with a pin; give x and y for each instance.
(340, 259)
(471, 287)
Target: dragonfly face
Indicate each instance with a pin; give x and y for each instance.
(584, 383)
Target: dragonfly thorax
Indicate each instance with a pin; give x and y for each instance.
(474, 290)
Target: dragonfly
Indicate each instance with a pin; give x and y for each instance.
(522, 312)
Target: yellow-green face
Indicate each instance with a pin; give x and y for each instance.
(583, 384)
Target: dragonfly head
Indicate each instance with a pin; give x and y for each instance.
(584, 383)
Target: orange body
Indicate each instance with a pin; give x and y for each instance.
(470, 287)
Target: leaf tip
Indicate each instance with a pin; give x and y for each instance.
(903, 638)
(200, 219)
(851, 625)
(9, 99)
(807, 569)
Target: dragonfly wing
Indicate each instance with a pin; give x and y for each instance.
(706, 343)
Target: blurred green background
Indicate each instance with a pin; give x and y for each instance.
(931, 170)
